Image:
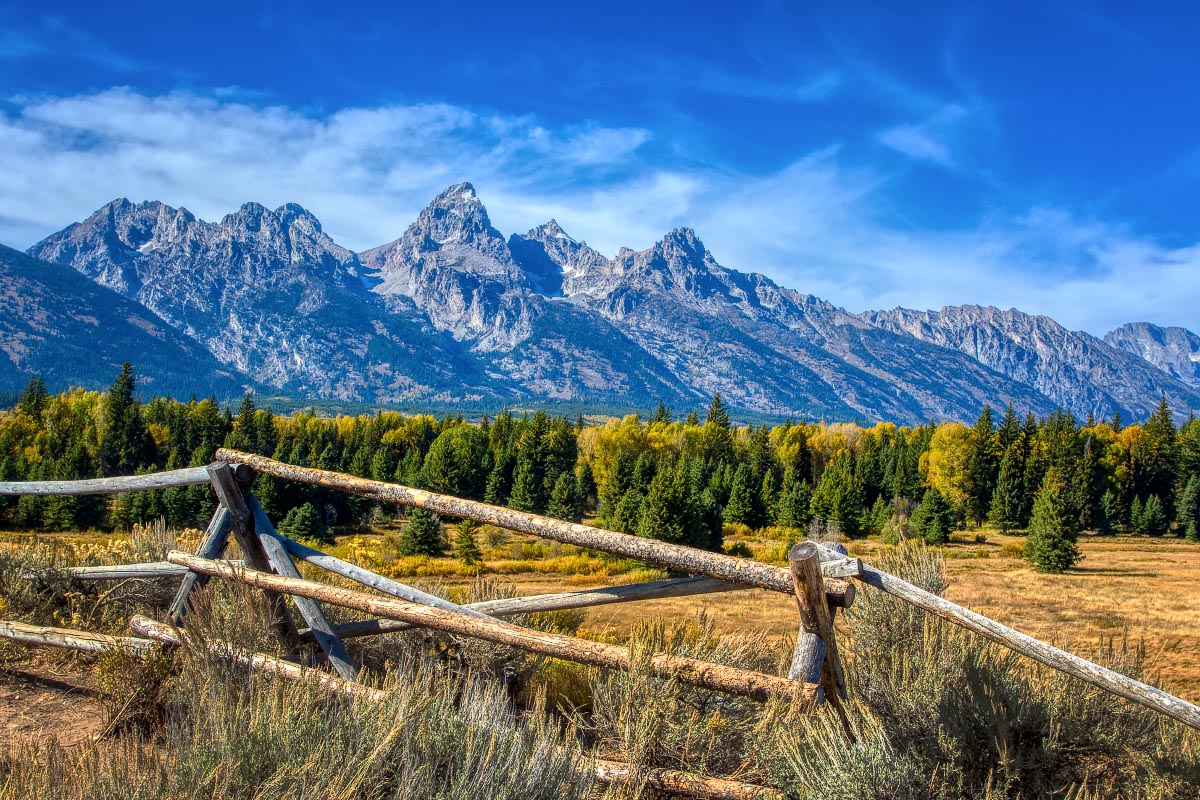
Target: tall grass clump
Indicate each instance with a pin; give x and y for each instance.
(941, 713)
(230, 733)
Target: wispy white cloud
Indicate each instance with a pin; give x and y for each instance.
(823, 224)
(932, 140)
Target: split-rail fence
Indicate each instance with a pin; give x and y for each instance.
(820, 576)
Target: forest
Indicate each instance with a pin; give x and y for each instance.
(683, 480)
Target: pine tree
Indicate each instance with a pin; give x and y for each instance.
(982, 468)
(587, 486)
(1051, 546)
(838, 496)
(125, 443)
(32, 400)
(667, 511)
(564, 499)
(795, 498)
(740, 507)
(1154, 518)
(527, 490)
(662, 415)
(718, 413)
(932, 518)
(619, 478)
(242, 435)
(305, 522)
(1189, 509)
(466, 549)
(1007, 501)
(422, 535)
(1137, 517)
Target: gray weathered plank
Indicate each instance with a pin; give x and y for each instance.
(194, 476)
(511, 606)
(216, 539)
(318, 623)
(66, 638)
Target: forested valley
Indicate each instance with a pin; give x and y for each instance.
(683, 480)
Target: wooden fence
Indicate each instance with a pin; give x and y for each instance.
(820, 576)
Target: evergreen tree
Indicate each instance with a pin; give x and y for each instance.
(32, 400)
(718, 413)
(1154, 518)
(527, 490)
(693, 420)
(587, 486)
(1137, 517)
(242, 435)
(1189, 509)
(667, 511)
(662, 415)
(932, 518)
(838, 497)
(305, 522)
(564, 499)
(795, 498)
(125, 443)
(628, 511)
(1053, 532)
(740, 507)
(466, 549)
(1159, 457)
(982, 468)
(422, 535)
(615, 488)
(1007, 499)
(769, 498)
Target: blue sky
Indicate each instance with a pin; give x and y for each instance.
(1044, 156)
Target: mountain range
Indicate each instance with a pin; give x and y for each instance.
(453, 312)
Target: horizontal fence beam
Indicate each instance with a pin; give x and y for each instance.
(68, 639)
(146, 570)
(1149, 696)
(717, 677)
(194, 476)
(511, 606)
(665, 554)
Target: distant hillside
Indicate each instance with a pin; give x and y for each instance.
(74, 332)
(1074, 369)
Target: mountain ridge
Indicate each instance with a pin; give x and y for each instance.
(452, 309)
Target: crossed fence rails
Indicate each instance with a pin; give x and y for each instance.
(821, 577)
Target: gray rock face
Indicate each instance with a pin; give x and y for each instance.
(452, 311)
(56, 323)
(272, 296)
(1175, 351)
(1075, 369)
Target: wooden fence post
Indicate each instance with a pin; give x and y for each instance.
(816, 653)
(229, 493)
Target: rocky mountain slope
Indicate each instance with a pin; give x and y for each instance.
(1074, 369)
(272, 296)
(1175, 351)
(452, 311)
(72, 331)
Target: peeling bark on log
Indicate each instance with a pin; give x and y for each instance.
(665, 554)
(69, 639)
(194, 476)
(507, 607)
(717, 677)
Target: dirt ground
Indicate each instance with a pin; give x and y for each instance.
(40, 698)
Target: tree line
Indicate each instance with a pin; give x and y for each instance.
(679, 480)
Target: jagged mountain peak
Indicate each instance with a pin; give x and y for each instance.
(1173, 349)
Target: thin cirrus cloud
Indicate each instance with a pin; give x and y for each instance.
(820, 224)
